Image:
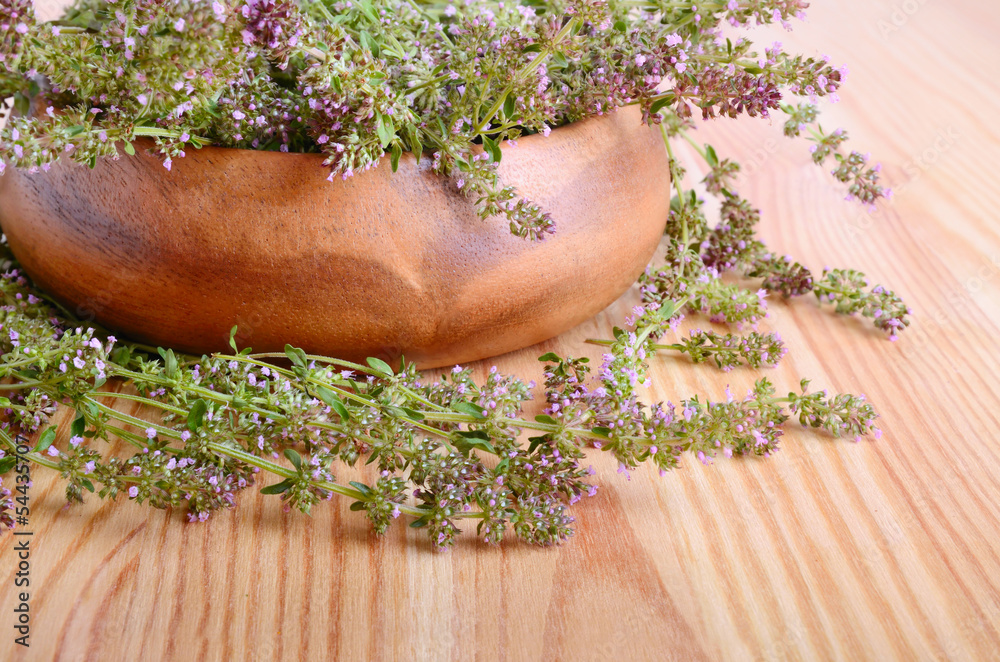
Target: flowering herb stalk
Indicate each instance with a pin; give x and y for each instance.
(443, 450)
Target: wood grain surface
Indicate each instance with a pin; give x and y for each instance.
(879, 550)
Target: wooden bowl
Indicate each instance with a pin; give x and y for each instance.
(383, 264)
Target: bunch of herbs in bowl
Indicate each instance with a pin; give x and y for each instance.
(365, 82)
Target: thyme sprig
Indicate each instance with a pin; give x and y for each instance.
(441, 450)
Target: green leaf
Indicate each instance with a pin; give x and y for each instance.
(7, 463)
(470, 408)
(667, 309)
(361, 487)
(403, 412)
(550, 357)
(369, 43)
(296, 356)
(394, 155)
(129, 149)
(509, 106)
(544, 418)
(385, 130)
(473, 434)
(413, 415)
(169, 362)
(659, 104)
(465, 442)
(46, 440)
(533, 48)
(419, 523)
(78, 426)
(232, 338)
(278, 488)
(711, 156)
(413, 140)
(122, 355)
(86, 483)
(366, 7)
(604, 432)
(5, 402)
(83, 19)
(359, 505)
(294, 458)
(22, 104)
(536, 441)
(380, 366)
(394, 411)
(492, 148)
(332, 399)
(197, 415)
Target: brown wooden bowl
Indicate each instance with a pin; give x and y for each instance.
(383, 264)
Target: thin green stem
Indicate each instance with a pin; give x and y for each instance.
(157, 132)
(680, 192)
(531, 66)
(140, 399)
(20, 386)
(37, 458)
(691, 141)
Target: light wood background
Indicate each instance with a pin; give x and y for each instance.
(879, 550)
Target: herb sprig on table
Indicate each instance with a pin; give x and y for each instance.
(446, 449)
(361, 83)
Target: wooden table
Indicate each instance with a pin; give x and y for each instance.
(878, 550)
